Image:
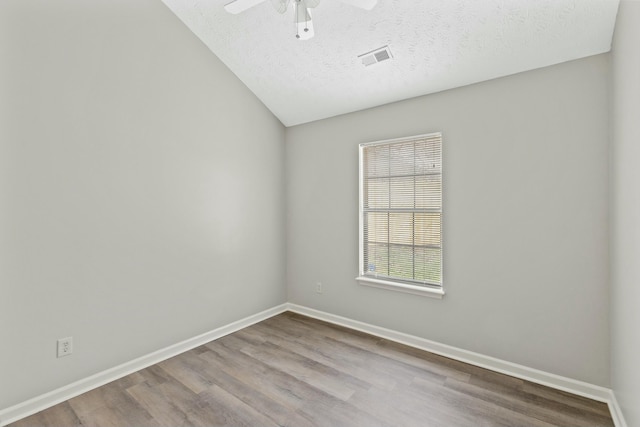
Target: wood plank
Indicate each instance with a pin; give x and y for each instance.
(312, 403)
(531, 405)
(314, 350)
(61, 415)
(110, 405)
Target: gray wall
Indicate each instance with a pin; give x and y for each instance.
(142, 190)
(525, 218)
(625, 212)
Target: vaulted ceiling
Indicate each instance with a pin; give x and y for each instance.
(435, 45)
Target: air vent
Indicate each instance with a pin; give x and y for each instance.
(375, 56)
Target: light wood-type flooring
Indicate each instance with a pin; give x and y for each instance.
(291, 370)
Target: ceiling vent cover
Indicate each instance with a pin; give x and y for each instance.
(378, 55)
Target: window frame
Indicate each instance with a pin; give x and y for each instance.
(433, 291)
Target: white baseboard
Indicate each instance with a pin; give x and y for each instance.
(616, 412)
(558, 382)
(61, 394)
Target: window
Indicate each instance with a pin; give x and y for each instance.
(401, 214)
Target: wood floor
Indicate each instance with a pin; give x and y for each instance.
(291, 370)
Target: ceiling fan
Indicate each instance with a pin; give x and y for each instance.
(301, 13)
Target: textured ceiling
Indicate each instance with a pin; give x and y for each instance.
(436, 45)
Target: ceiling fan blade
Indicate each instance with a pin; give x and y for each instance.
(238, 6)
(280, 5)
(362, 4)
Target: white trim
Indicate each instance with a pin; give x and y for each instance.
(616, 412)
(44, 401)
(402, 139)
(558, 382)
(401, 287)
(360, 206)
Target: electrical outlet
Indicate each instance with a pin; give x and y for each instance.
(318, 288)
(65, 346)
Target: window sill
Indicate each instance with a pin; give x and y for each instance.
(401, 287)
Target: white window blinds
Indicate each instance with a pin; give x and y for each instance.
(401, 210)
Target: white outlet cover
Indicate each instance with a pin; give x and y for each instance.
(65, 346)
